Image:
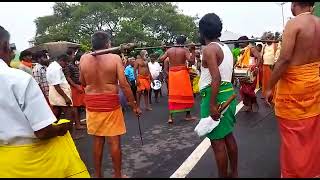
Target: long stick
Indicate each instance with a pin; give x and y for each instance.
(131, 46)
(117, 50)
(226, 104)
(225, 42)
(140, 130)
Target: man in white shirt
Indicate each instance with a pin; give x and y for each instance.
(59, 88)
(30, 146)
(268, 58)
(155, 69)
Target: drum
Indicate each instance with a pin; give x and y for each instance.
(243, 74)
(156, 85)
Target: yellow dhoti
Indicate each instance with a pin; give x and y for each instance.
(52, 158)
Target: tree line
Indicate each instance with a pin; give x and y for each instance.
(153, 23)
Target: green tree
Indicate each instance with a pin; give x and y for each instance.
(150, 22)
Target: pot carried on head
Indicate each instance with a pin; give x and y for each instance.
(54, 49)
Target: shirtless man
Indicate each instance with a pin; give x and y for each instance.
(144, 79)
(297, 98)
(180, 90)
(100, 76)
(166, 73)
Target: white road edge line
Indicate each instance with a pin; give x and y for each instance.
(196, 155)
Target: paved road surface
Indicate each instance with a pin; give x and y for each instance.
(166, 147)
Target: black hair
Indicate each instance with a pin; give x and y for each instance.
(305, 3)
(63, 57)
(13, 47)
(4, 34)
(154, 55)
(99, 40)
(210, 26)
(78, 56)
(259, 45)
(4, 37)
(181, 39)
(70, 51)
(38, 55)
(25, 53)
(243, 38)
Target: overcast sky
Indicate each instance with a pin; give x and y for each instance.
(245, 18)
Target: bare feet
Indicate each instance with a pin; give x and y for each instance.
(76, 137)
(190, 118)
(123, 176)
(256, 107)
(149, 109)
(80, 127)
(248, 109)
(233, 175)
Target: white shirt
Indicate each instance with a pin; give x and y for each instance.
(23, 107)
(225, 68)
(268, 54)
(55, 76)
(155, 69)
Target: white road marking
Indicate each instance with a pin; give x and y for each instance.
(196, 155)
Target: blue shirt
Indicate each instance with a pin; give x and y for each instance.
(129, 72)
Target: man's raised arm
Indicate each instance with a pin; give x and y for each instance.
(164, 57)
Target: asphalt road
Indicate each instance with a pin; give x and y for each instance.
(166, 147)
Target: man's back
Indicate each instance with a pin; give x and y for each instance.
(178, 56)
(100, 73)
(307, 44)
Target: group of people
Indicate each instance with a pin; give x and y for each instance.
(31, 145)
(58, 81)
(259, 59)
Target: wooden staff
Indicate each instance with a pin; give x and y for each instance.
(227, 103)
(140, 133)
(117, 50)
(225, 42)
(133, 46)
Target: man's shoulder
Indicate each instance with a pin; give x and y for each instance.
(18, 75)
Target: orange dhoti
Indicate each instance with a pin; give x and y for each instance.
(297, 107)
(144, 83)
(180, 90)
(266, 75)
(77, 97)
(104, 115)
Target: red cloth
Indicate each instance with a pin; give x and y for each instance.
(77, 97)
(267, 71)
(247, 92)
(144, 83)
(103, 102)
(300, 147)
(27, 63)
(180, 90)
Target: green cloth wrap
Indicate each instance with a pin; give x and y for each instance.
(228, 120)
